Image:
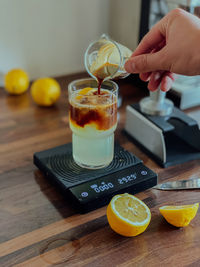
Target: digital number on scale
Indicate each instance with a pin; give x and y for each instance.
(106, 186)
(127, 179)
(102, 187)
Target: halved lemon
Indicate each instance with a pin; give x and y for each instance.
(128, 215)
(179, 216)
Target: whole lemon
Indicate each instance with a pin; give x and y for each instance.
(45, 91)
(16, 81)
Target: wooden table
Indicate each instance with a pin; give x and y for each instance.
(37, 225)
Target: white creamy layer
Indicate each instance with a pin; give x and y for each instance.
(90, 131)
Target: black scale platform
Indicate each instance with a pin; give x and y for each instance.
(90, 189)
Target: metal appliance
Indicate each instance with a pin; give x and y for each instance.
(166, 133)
(162, 130)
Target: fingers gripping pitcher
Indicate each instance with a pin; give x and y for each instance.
(93, 106)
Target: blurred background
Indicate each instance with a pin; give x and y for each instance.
(49, 37)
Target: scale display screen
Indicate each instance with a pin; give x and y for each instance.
(130, 180)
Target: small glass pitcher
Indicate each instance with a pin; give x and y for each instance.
(104, 59)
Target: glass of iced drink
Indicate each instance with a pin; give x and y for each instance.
(93, 120)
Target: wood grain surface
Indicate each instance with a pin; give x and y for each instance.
(38, 227)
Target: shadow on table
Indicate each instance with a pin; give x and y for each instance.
(54, 195)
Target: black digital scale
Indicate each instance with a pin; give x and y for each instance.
(90, 189)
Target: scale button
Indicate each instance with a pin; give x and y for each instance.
(84, 194)
(144, 172)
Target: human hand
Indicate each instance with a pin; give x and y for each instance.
(171, 46)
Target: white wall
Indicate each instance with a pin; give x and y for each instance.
(125, 21)
(49, 37)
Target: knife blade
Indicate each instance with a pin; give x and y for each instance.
(179, 185)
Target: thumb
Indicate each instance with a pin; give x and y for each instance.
(145, 63)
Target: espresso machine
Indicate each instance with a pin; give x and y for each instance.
(163, 131)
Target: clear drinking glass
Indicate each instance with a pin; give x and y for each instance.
(93, 120)
(104, 59)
